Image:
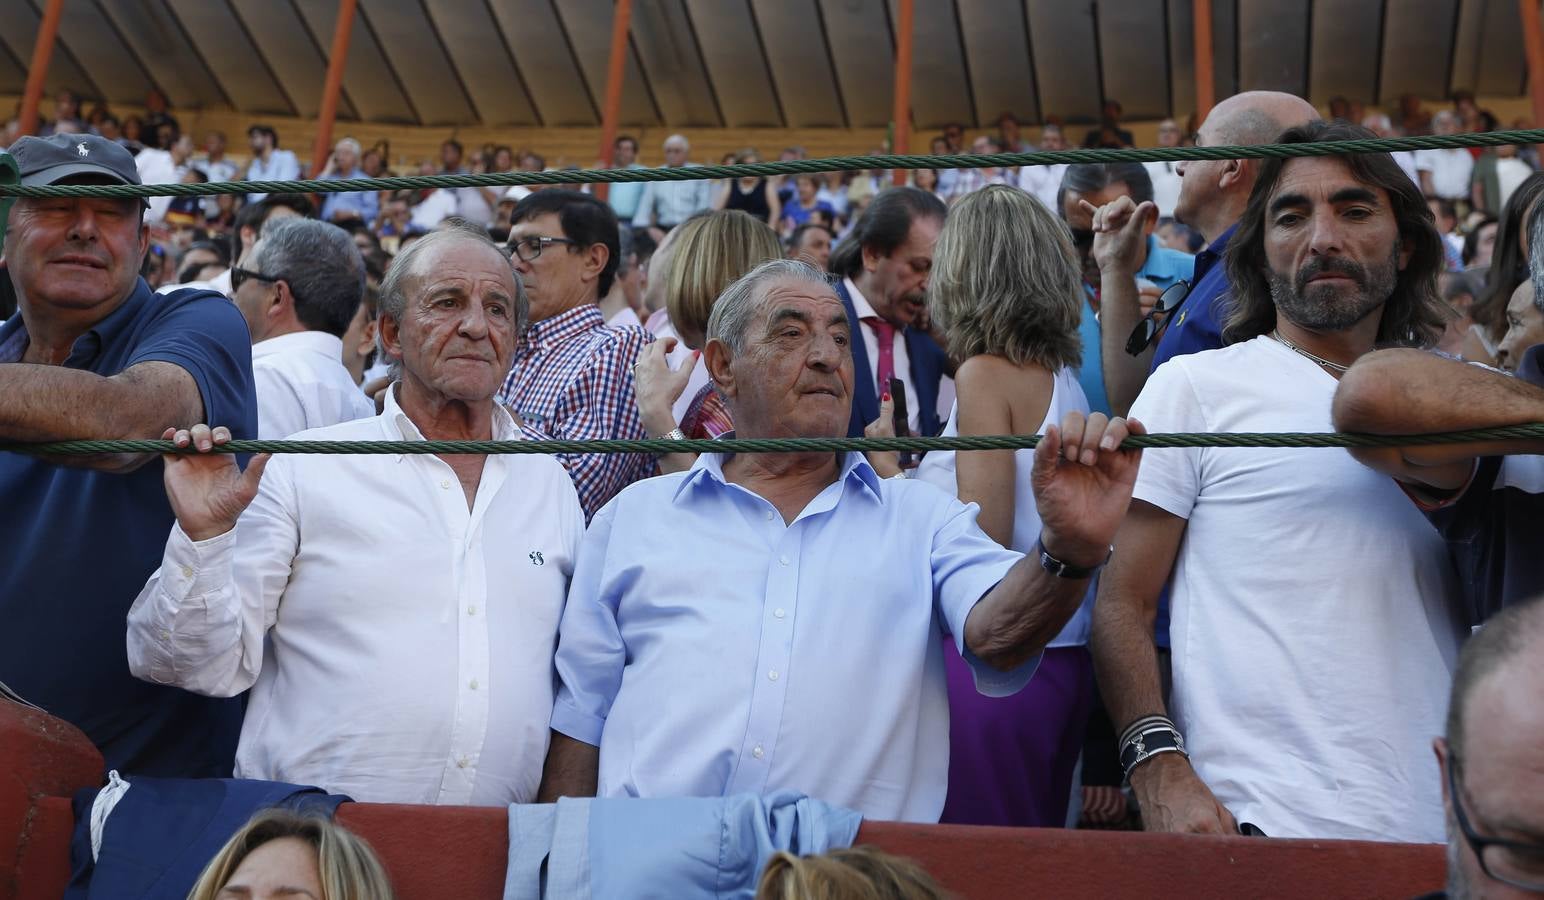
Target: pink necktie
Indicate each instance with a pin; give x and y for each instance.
(886, 334)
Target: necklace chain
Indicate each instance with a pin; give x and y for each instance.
(1332, 366)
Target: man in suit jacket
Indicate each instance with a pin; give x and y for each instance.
(884, 266)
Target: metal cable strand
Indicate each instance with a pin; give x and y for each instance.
(791, 167)
(786, 445)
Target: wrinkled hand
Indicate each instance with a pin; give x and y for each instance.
(207, 490)
(1082, 485)
(1174, 799)
(886, 463)
(1120, 232)
(656, 386)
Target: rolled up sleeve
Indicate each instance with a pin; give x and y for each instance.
(967, 564)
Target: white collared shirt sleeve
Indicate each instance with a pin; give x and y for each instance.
(200, 620)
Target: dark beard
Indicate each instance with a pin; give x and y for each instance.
(1325, 309)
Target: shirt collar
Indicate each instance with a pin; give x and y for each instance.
(13, 334)
(301, 341)
(860, 304)
(1531, 369)
(1217, 247)
(710, 468)
(396, 425)
(565, 326)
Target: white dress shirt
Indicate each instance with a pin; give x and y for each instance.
(752, 656)
(1450, 170)
(301, 384)
(397, 645)
(1043, 182)
(861, 305)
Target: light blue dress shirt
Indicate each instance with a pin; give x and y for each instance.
(624, 196)
(363, 205)
(282, 165)
(709, 649)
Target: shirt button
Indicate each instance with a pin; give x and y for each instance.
(187, 571)
(783, 560)
(471, 610)
(462, 763)
(772, 675)
(779, 612)
(473, 685)
(769, 515)
(758, 752)
(445, 484)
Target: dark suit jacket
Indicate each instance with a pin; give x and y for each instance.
(927, 369)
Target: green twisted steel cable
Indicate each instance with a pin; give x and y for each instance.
(790, 167)
(787, 445)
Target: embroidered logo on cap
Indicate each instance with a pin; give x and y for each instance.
(82, 149)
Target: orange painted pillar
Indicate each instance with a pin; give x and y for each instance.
(621, 20)
(1533, 43)
(902, 114)
(333, 86)
(42, 50)
(1206, 91)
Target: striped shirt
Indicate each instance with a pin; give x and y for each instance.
(572, 379)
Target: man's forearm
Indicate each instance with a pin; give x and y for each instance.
(1125, 658)
(572, 769)
(53, 403)
(1396, 392)
(1119, 312)
(1022, 614)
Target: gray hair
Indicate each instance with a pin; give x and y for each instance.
(321, 265)
(1087, 178)
(738, 305)
(1536, 254)
(1444, 117)
(349, 143)
(394, 287)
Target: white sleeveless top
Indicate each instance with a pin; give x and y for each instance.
(938, 468)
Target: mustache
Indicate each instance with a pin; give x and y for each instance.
(1330, 264)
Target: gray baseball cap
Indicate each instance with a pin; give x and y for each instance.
(53, 159)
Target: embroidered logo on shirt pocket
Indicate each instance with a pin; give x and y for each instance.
(536, 558)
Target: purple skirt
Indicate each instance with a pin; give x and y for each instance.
(1011, 759)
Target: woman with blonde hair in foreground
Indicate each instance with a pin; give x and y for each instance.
(282, 854)
(1006, 291)
(707, 254)
(858, 873)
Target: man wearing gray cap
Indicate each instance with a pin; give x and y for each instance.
(92, 353)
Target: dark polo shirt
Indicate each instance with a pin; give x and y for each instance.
(1493, 527)
(79, 544)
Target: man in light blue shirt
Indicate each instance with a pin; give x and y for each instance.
(787, 634)
(348, 206)
(269, 163)
(625, 196)
(666, 204)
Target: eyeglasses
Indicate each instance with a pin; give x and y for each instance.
(239, 277)
(1172, 298)
(528, 249)
(1510, 862)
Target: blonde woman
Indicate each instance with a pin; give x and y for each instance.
(282, 854)
(707, 254)
(1006, 291)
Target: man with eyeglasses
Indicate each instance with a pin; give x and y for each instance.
(1086, 192)
(298, 288)
(1212, 197)
(572, 377)
(1492, 762)
(94, 354)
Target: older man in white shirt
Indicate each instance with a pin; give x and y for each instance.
(666, 204)
(298, 288)
(393, 615)
(790, 636)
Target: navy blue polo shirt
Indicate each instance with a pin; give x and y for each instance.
(79, 544)
(1492, 528)
(1198, 326)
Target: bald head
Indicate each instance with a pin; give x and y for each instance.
(1256, 117)
(1213, 193)
(1507, 651)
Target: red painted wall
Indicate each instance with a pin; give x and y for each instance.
(438, 852)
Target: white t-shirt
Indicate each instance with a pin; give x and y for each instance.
(1450, 171)
(1313, 640)
(1166, 183)
(1510, 174)
(938, 467)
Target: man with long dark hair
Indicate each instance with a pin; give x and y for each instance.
(1313, 642)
